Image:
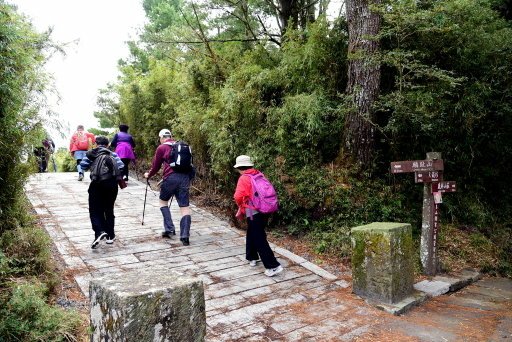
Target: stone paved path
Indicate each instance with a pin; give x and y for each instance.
(304, 303)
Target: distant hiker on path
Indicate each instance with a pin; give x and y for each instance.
(124, 144)
(105, 168)
(81, 142)
(43, 153)
(256, 244)
(177, 173)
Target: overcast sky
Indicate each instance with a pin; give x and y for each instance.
(101, 28)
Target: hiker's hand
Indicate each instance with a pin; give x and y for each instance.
(146, 175)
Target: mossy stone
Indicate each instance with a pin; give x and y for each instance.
(382, 261)
(147, 305)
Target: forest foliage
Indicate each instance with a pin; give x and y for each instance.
(247, 77)
(227, 78)
(27, 272)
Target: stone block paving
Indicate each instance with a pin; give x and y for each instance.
(304, 303)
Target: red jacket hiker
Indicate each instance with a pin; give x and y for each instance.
(243, 192)
(81, 141)
(256, 245)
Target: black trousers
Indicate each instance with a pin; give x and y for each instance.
(126, 162)
(43, 163)
(102, 196)
(256, 242)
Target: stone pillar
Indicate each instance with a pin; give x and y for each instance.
(428, 247)
(382, 261)
(147, 305)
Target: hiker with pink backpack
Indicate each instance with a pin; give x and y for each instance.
(81, 141)
(256, 198)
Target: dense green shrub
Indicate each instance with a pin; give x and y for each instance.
(27, 279)
(445, 86)
(25, 315)
(65, 161)
(27, 275)
(28, 252)
(451, 93)
(21, 56)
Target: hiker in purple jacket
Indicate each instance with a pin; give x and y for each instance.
(124, 144)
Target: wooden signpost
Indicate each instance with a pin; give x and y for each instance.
(428, 177)
(417, 166)
(449, 186)
(430, 173)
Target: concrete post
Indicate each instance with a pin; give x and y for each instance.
(382, 261)
(428, 248)
(147, 305)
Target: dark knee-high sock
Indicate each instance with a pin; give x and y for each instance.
(168, 224)
(185, 223)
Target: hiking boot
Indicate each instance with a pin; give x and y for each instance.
(80, 177)
(110, 240)
(270, 272)
(97, 240)
(253, 263)
(168, 234)
(185, 241)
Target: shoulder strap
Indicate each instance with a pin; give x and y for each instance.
(168, 155)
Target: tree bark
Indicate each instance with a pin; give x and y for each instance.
(363, 80)
(288, 13)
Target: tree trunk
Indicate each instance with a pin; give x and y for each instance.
(363, 80)
(288, 13)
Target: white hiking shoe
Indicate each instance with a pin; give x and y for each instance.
(253, 263)
(110, 240)
(96, 241)
(270, 272)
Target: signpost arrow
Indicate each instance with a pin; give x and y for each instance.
(446, 186)
(417, 166)
(428, 176)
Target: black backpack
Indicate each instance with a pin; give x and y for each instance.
(104, 167)
(180, 158)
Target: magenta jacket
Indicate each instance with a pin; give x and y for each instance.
(123, 143)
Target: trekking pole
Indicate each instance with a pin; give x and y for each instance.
(145, 196)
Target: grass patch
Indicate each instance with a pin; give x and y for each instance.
(28, 280)
(26, 315)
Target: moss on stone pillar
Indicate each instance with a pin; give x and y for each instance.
(382, 261)
(147, 305)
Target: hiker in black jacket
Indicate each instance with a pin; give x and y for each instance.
(105, 167)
